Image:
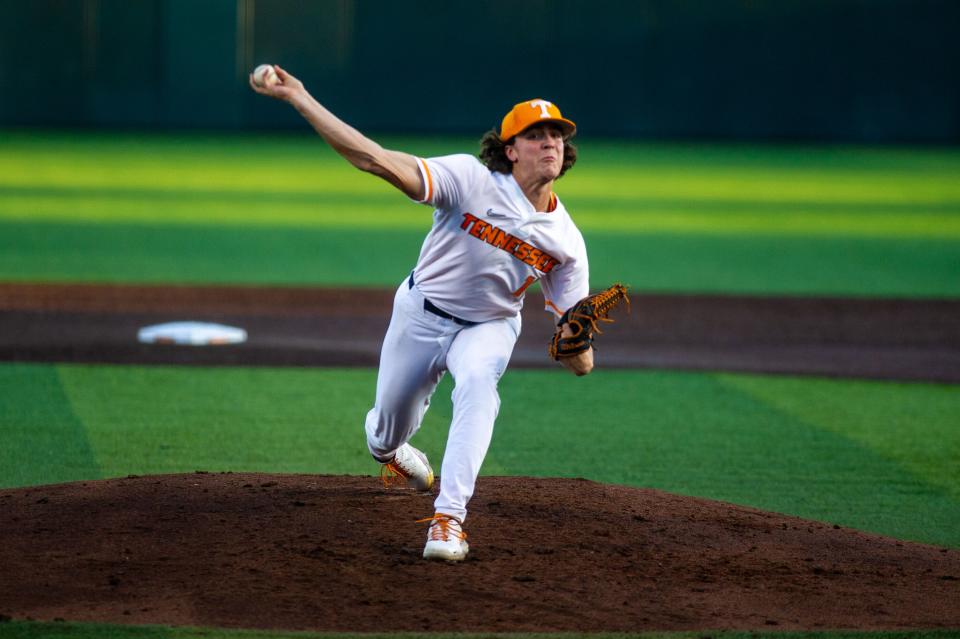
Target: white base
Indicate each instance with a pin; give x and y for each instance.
(191, 334)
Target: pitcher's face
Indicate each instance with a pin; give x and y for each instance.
(537, 152)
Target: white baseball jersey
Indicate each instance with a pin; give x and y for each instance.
(488, 244)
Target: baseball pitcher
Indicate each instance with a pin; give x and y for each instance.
(498, 227)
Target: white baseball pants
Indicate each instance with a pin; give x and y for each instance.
(418, 348)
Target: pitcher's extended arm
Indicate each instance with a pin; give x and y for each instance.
(398, 168)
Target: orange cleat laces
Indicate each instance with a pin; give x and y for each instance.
(392, 475)
(441, 530)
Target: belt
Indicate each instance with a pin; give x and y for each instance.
(431, 307)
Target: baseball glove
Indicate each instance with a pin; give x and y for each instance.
(583, 318)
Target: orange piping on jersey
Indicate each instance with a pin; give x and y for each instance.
(429, 185)
(552, 206)
(553, 306)
(530, 280)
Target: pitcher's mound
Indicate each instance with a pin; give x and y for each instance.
(342, 554)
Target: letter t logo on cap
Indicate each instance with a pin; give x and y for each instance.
(543, 105)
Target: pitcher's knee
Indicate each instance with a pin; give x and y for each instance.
(385, 433)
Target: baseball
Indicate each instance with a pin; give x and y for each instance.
(265, 75)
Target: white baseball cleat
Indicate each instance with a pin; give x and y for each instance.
(445, 538)
(410, 467)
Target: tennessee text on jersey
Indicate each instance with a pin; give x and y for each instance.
(497, 237)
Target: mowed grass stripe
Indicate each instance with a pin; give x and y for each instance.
(43, 441)
(204, 255)
(912, 425)
(776, 265)
(708, 435)
(354, 210)
(301, 162)
(162, 254)
(152, 420)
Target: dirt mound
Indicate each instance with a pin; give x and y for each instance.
(342, 554)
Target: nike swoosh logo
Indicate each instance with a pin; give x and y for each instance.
(492, 213)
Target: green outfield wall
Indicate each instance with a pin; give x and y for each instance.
(852, 70)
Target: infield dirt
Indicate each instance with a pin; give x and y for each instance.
(870, 338)
(328, 553)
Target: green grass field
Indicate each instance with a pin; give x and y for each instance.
(878, 456)
(765, 220)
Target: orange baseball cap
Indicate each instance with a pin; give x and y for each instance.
(526, 114)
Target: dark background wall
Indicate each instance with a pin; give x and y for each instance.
(845, 70)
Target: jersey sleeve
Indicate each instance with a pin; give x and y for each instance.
(449, 179)
(568, 283)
